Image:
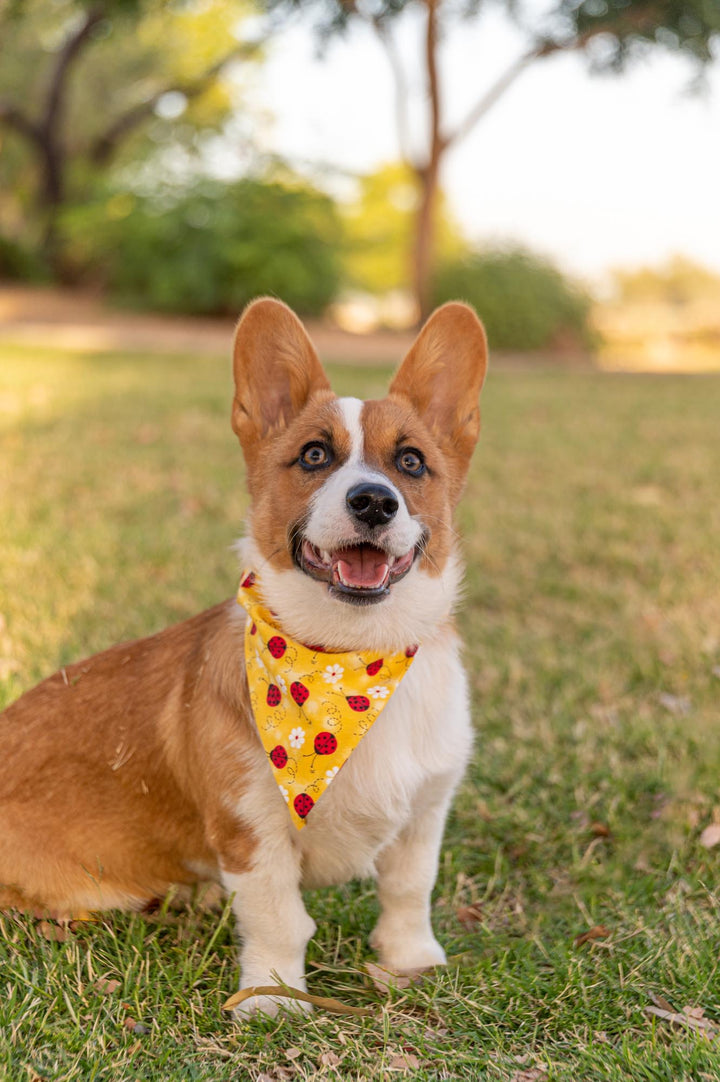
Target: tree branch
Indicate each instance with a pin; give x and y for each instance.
(401, 88)
(496, 91)
(14, 118)
(66, 56)
(104, 146)
(437, 142)
(543, 48)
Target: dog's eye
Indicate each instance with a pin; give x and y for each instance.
(314, 456)
(411, 461)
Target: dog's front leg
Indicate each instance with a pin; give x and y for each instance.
(406, 872)
(272, 922)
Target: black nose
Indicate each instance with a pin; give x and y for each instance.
(373, 505)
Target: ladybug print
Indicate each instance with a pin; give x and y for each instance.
(279, 757)
(374, 667)
(273, 696)
(358, 702)
(303, 804)
(411, 651)
(248, 581)
(299, 692)
(325, 743)
(277, 646)
(253, 629)
(316, 649)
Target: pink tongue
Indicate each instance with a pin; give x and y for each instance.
(363, 567)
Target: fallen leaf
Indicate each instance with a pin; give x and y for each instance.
(469, 915)
(129, 1022)
(404, 1062)
(283, 992)
(106, 986)
(385, 979)
(710, 836)
(329, 1059)
(600, 830)
(661, 1002)
(598, 932)
(533, 1074)
(54, 933)
(679, 705)
(293, 1053)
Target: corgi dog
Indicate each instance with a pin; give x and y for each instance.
(147, 765)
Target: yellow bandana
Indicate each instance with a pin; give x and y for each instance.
(311, 708)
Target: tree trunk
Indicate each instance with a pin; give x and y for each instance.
(428, 176)
(423, 263)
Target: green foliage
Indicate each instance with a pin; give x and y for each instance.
(211, 249)
(678, 281)
(379, 226)
(524, 301)
(17, 262)
(630, 27)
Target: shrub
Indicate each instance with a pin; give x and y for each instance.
(211, 249)
(524, 301)
(18, 263)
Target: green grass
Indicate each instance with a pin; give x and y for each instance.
(592, 624)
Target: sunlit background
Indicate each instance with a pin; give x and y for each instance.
(183, 157)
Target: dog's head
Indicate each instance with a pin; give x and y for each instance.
(351, 522)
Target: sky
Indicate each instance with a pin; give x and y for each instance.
(596, 172)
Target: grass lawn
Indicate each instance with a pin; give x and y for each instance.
(592, 623)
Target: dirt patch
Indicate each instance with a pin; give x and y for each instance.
(64, 319)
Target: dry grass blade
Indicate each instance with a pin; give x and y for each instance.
(325, 1003)
(686, 1020)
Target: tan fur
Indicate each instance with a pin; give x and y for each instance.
(117, 772)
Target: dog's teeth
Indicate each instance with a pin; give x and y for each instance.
(325, 556)
(391, 560)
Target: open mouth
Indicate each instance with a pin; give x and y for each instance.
(360, 574)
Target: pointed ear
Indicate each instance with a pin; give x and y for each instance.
(276, 370)
(443, 374)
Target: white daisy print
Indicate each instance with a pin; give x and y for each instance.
(281, 683)
(296, 738)
(286, 795)
(332, 673)
(330, 774)
(379, 692)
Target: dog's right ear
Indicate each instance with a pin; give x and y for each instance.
(276, 370)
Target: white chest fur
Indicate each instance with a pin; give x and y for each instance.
(422, 736)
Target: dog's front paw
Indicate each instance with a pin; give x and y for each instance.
(270, 1006)
(407, 954)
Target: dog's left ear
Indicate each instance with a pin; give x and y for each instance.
(443, 374)
(276, 370)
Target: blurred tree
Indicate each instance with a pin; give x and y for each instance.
(679, 281)
(610, 32)
(379, 226)
(81, 85)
